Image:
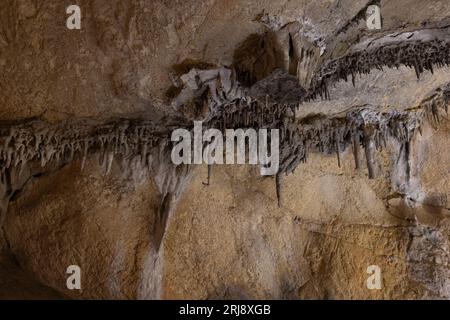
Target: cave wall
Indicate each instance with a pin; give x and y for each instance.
(228, 239)
(334, 224)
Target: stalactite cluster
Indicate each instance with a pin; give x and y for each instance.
(136, 144)
(363, 129)
(421, 50)
(436, 106)
(62, 143)
(366, 127)
(217, 97)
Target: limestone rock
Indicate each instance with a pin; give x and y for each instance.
(86, 176)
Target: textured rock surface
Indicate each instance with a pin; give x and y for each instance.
(333, 225)
(103, 224)
(147, 230)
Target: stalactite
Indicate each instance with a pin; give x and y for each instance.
(278, 186)
(337, 142)
(370, 152)
(407, 160)
(356, 150)
(208, 178)
(85, 152)
(109, 162)
(421, 50)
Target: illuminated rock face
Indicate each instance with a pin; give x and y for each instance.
(87, 179)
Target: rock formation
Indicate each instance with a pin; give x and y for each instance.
(86, 178)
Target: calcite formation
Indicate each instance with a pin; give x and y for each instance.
(267, 78)
(422, 50)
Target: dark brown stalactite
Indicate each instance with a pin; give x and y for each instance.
(293, 57)
(278, 186)
(338, 151)
(208, 178)
(407, 160)
(356, 155)
(370, 151)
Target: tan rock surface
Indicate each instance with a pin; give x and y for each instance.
(228, 239)
(102, 224)
(334, 224)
